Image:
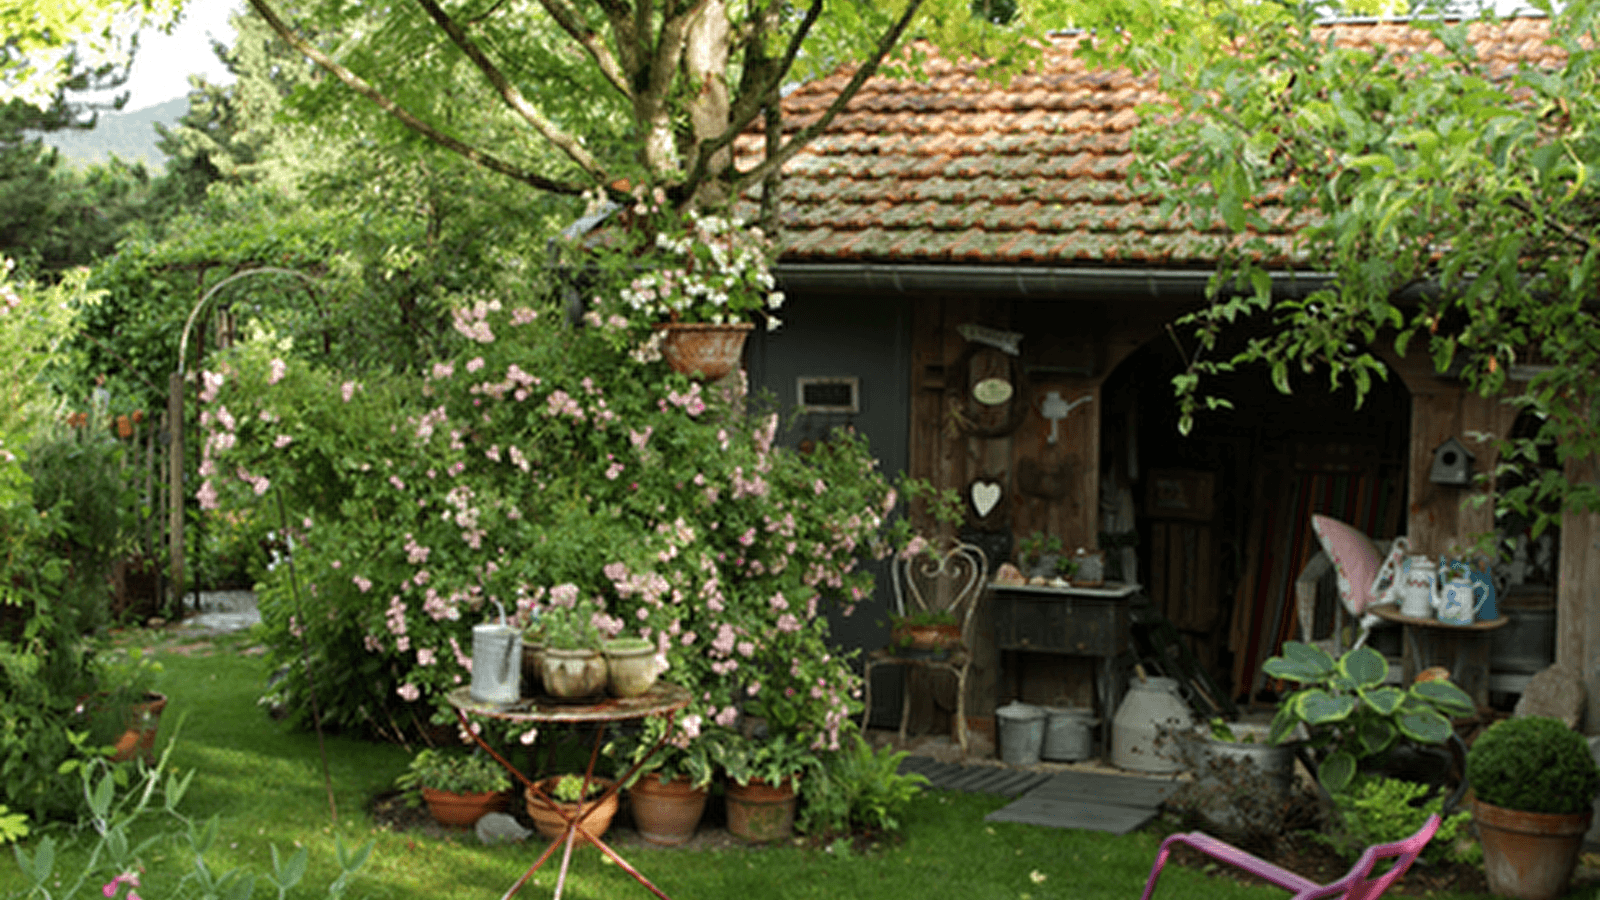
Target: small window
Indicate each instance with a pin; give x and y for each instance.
(829, 395)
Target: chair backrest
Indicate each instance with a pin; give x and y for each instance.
(950, 581)
(1356, 885)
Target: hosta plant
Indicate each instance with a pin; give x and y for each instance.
(1351, 715)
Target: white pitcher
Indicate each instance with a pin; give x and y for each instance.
(1419, 588)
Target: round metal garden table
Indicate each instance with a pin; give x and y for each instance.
(661, 700)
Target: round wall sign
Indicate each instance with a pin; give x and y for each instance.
(992, 391)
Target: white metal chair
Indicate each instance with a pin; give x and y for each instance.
(954, 582)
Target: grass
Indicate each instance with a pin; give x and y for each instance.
(264, 783)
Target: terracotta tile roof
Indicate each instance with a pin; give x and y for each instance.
(955, 169)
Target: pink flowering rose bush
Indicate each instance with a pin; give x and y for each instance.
(543, 466)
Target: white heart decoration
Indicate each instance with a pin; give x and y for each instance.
(985, 497)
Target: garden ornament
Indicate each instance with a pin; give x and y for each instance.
(496, 661)
(1055, 409)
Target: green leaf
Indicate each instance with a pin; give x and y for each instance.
(1425, 726)
(1337, 771)
(1300, 662)
(100, 799)
(1365, 667)
(288, 875)
(1445, 697)
(1383, 701)
(1318, 707)
(1283, 723)
(238, 885)
(1375, 736)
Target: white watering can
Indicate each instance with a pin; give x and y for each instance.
(1459, 597)
(496, 661)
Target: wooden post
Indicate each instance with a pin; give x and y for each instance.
(175, 482)
(1577, 619)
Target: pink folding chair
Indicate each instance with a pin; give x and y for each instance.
(1355, 885)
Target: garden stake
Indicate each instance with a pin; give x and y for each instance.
(305, 661)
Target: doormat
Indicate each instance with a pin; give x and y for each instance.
(1092, 801)
(1089, 800)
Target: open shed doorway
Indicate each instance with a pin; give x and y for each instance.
(1221, 518)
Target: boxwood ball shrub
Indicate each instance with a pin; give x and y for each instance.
(1533, 764)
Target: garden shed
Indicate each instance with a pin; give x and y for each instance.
(973, 282)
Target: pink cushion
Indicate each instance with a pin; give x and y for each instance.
(1355, 560)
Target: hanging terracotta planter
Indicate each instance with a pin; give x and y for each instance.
(666, 813)
(1528, 855)
(461, 810)
(759, 811)
(702, 349)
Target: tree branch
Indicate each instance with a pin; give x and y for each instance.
(580, 31)
(360, 86)
(513, 98)
(804, 136)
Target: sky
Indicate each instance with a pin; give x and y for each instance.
(163, 63)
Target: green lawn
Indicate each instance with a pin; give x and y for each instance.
(265, 784)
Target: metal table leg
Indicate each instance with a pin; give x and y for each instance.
(570, 832)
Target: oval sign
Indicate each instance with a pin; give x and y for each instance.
(992, 391)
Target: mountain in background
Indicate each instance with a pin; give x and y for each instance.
(130, 135)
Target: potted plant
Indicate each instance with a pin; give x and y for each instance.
(533, 656)
(668, 793)
(458, 788)
(1241, 779)
(699, 280)
(572, 666)
(1350, 716)
(925, 631)
(763, 784)
(1066, 568)
(632, 665)
(572, 797)
(1037, 554)
(1534, 783)
(126, 712)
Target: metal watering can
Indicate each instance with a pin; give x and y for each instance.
(496, 661)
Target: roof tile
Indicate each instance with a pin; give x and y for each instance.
(955, 168)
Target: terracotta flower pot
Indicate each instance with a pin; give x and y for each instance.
(712, 351)
(140, 738)
(572, 674)
(461, 810)
(550, 824)
(1527, 855)
(927, 637)
(666, 813)
(759, 811)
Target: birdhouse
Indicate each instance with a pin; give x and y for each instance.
(1452, 464)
